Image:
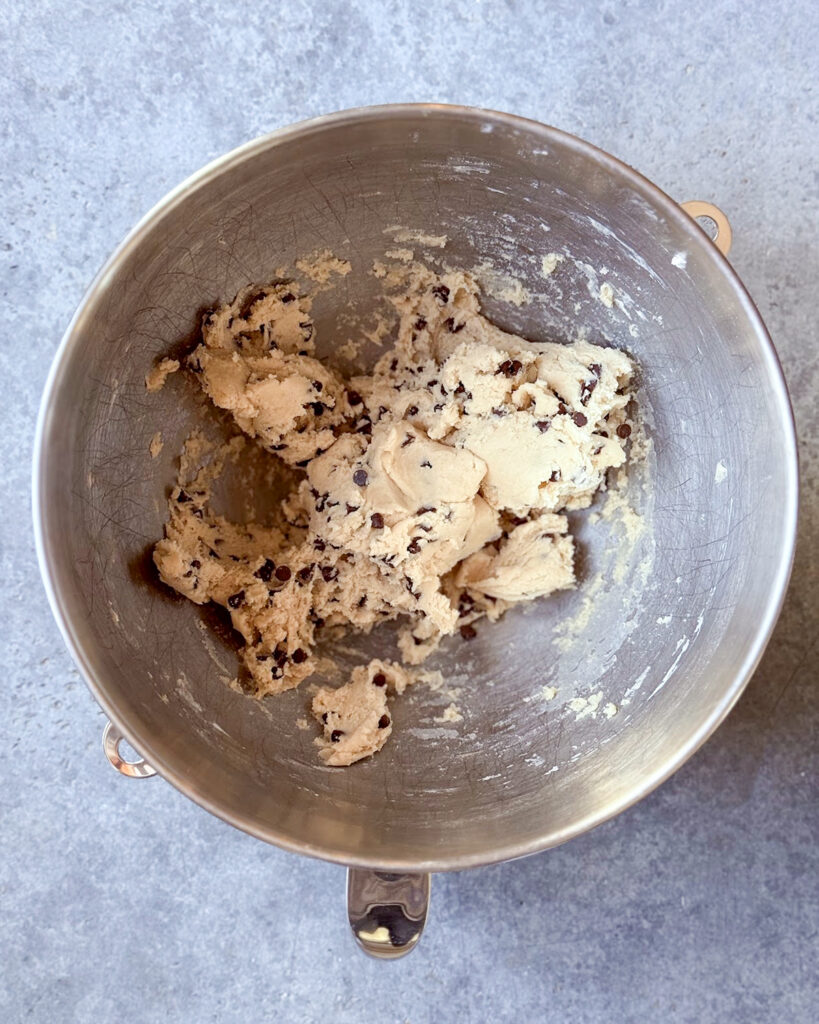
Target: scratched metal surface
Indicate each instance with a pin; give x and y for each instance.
(695, 905)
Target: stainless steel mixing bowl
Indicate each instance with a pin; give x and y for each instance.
(667, 627)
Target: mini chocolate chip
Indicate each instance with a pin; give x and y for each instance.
(460, 388)
(377, 521)
(236, 599)
(543, 425)
(383, 721)
(278, 447)
(288, 297)
(318, 408)
(595, 369)
(509, 367)
(354, 398)
(360, 477)
(624, 430)
(324, 717)
(441, 292)
(408, 439)
(586, 392)
(265, 570)
(367, 427)
(362, 601)
(412, 411)
(452, 326)
(438, 407)
(352, 508)
(317, 385)
(468, 632)
(394, 365)
(561, 407)
(283, 573)
(579, 419)
(280, 655)
(195, 563)
(379, 679)
(329, 572)
(414, 547)
(497, 411)
(298, 656)
(307, 327)
(319, 544)
(336, 735)
(420, 324)
(426, 464)
(276, 672)
(306, 573)
(422, 511)
(555, 476)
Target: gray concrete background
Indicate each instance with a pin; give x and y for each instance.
(126, 902)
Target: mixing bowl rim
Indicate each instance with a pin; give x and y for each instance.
(142, 741)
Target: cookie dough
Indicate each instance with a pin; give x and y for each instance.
(429, 490)
(356, 719)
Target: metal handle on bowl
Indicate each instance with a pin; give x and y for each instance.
(387, 912)
(111, 739)
(698, 208)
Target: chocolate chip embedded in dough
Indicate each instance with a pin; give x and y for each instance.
(265, 570)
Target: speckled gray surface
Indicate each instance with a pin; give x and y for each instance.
(125, 901)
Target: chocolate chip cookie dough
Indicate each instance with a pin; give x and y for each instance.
(430, 490)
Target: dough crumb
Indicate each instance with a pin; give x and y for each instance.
(548, 693)
(607, 294)
(610, 710)
(405, 255)
(585, 707)
(156, 377)
(156, 445)
(321, 266)
(452, 713)
(549, 263)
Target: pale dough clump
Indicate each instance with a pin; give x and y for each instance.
(429, 490)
